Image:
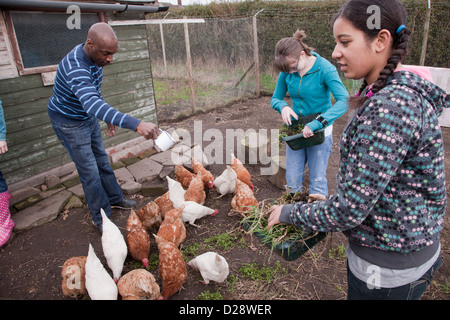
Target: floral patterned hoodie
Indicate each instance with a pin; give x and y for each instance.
(390, 190)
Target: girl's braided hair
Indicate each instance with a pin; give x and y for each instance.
(392, 16)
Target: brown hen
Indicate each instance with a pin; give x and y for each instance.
(183, 175)
(138, 240)
(244, 198)
(241, 171)
(207, 176)
(172, 267)
(196, 190)
(73, 277)
(138, 284)
(150, 215)
(172, 228)
(164, 203)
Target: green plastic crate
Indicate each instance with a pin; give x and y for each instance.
(297, 141)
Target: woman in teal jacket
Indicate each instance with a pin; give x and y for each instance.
(309, 79)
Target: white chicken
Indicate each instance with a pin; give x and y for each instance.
(193, 211)
(114, 246)
(99, 284)
(212, 267)
(176, 192)
(226, 182)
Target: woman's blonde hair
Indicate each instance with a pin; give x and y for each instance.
(292, 46)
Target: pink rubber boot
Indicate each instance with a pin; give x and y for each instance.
(6, 223)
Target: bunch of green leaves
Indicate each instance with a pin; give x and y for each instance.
(258, 218)
(286, 130)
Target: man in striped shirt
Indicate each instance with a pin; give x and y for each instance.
(74, 108)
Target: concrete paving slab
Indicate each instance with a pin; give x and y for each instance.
(123, 175)
(131, 187)
(42, 212)
(145, 170)
(164, 158)
(77, 190)
(22, 194)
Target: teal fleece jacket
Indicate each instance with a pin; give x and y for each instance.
(311, 93)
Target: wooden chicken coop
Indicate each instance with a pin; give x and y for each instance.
(34, 36)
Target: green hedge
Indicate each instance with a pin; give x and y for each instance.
(281, 18)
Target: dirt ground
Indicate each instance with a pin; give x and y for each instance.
(30, 266)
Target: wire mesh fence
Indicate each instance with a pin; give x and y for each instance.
(201, 65)
(208, 64)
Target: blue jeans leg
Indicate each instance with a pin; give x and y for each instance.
(318, 163)
(358, 290)
(317, 159)
(84, 144)
(295, 169)
(3, 184)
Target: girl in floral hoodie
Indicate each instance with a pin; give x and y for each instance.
(390, 195)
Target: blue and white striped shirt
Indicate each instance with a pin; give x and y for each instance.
(77, 93)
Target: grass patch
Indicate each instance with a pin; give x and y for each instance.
(190, 250)
(267, 83)
(256, 273)
(224, 241)
(445, 288)
(337, 253)
(207, 295)
(172, 91)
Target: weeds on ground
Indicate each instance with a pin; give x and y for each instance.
(445, 288)
(337, 253)
(254, 272)
(224, 241)
(206, 295)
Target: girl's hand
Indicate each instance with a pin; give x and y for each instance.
(274, 217)
(286, 114)
(3, 147)
(307, 132)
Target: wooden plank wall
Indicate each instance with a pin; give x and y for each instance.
(7, 66)
(33, 146)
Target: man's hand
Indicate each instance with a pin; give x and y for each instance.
(110, 129)
(148, 130)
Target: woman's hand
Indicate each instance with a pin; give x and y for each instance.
(307, 132)
(274, 217)
(286, 114)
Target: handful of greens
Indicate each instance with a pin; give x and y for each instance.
(286, 130)
(258, 218)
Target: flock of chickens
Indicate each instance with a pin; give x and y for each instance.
(183, 202)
